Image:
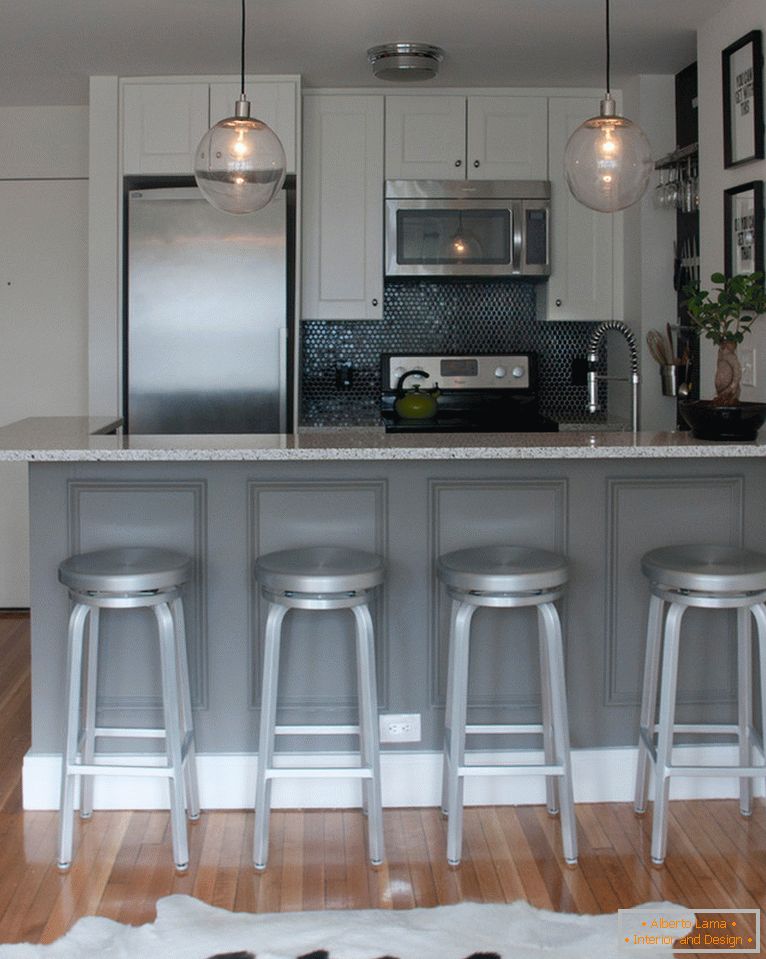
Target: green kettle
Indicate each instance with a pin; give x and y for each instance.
(415, 404)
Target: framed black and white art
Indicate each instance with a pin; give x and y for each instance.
(743, 100)
(743, 219)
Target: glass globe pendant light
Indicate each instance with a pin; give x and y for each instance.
(608, 159)
(240, 163)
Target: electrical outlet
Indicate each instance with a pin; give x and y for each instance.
(747, 357)
(400, 728)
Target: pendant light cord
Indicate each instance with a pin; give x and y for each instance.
(242, 50)
(607, 45)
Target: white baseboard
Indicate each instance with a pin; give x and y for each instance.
(227, 781)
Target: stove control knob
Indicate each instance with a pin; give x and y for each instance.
(500, 372)
(399, 370)
(517, 372)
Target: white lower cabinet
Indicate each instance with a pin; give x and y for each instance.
(583, 258)
(342, 207)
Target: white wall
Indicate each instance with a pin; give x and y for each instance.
(733, 22)
(43, 297)
(650, 300)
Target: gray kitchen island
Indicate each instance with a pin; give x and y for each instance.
(602, 499)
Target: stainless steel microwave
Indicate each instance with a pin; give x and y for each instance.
(468, 228)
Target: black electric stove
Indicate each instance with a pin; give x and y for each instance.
(479, 393)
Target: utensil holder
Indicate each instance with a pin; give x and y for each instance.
(670, 376)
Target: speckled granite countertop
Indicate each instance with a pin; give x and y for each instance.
(83, 439)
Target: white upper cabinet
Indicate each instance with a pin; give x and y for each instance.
(479, 137)
(272, 102)
(342, 207)
(425, 138)
(507, 138)
(163, 121)
(162, 125)
(582, 280)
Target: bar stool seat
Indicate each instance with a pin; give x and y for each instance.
(127, 578)
(319, 578)
(705, 577)
(506, 577)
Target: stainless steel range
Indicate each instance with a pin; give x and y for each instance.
(473, 393)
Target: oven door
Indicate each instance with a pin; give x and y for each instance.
(429, 237)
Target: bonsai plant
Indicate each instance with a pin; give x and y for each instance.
(726, 315)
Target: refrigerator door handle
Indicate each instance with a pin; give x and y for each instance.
(282, 334)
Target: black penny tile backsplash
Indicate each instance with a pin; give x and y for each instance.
(495, 316)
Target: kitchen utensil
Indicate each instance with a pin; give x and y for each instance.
(658, 348)
(670, 341)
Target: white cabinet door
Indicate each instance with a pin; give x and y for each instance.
(44, 317)
(507, 138)
(274, 102)
(581, 285)
(162, 125)
(342, 207)
(425, 138)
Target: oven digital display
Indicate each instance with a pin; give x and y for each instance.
(462, 367)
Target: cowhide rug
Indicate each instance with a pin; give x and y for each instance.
(186, 928)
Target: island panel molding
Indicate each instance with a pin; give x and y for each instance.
(168, 514)
(317, 650)
(393, 506)
(487, 512)
(646, 514)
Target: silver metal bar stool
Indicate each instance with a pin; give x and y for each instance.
(506, 577)
(320, 577)
(708, 577)
(127, 578)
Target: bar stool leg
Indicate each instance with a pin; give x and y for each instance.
(745, 705)
(759, 614)
(74, 673)
(368, 718)
(187, 724)
(172, 712)
(666, 731)
(361, 686)
(549, 744)
(550, 627)
(272, 640)
(648, 699)
(448, 706)
(89, 730)
(455, 731)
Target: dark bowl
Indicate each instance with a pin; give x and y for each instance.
(710, 422)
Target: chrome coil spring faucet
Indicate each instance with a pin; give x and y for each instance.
(594, 376)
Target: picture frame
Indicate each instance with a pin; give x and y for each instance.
(742, 64)
(743, 225)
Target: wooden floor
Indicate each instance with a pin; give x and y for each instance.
(317, 861)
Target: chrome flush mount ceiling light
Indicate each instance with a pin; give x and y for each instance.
(240, 163)
(405, 61)
(608, 159)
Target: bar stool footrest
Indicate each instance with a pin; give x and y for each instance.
(517, 769)
(319, 772)
(317, 730)
(504, 729)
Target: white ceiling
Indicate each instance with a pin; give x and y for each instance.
(48, 48)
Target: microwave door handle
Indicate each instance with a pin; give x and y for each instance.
(516, 227)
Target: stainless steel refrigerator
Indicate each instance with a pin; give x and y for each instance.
(206, 318)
